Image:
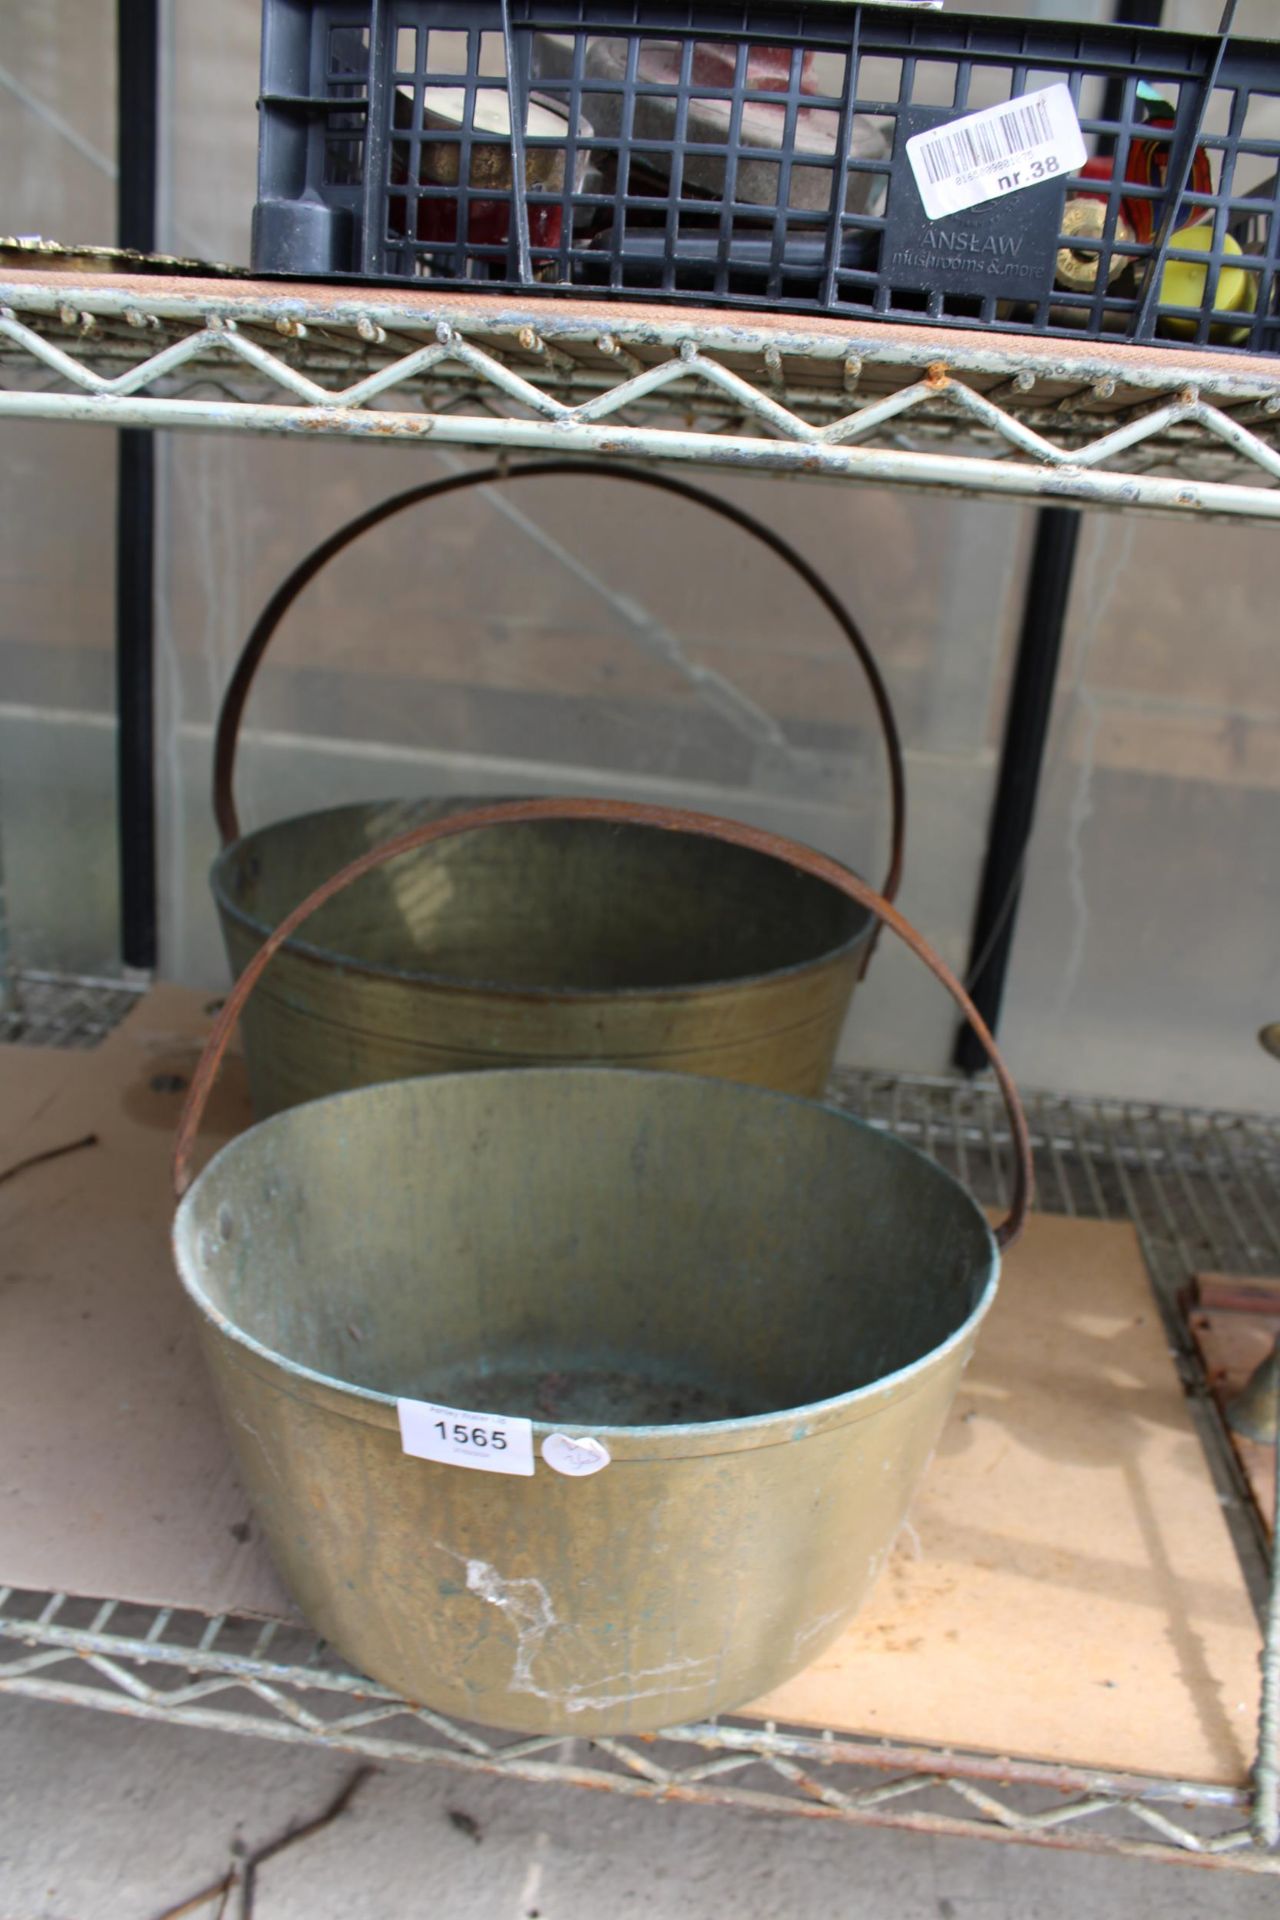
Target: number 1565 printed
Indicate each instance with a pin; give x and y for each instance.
(492, 1442)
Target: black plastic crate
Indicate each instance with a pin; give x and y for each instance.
(756, 157)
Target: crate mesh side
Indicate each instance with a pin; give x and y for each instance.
(755, 158)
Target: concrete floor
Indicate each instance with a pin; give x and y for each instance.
(106, 1819)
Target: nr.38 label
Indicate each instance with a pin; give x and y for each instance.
(491, 1442)
(1000, 150)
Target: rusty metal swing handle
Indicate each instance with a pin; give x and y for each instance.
(626, 814)
(237, 693)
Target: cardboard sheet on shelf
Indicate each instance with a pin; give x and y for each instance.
(116, 1479)
(1066, 1588)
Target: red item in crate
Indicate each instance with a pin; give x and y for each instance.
(715, 64)
(488, 219)
(488, 223)
(1148, 166)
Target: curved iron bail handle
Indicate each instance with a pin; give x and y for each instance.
(621, 813)
(237, 694)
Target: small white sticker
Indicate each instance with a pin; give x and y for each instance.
(490, 1441)
(574, 1457)
(1001, 150)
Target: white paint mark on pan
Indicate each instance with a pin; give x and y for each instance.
(578, 1701)
(527, 1605)
(807, 1635)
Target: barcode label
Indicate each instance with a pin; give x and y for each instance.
(1000, 150)
(966, 149)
